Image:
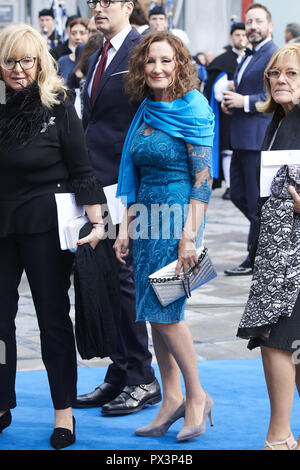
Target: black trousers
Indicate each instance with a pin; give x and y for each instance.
(48, 271)
(244, 191)
(132, 362)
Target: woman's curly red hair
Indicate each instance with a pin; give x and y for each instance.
(185, 73)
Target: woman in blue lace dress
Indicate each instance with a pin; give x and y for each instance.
(165, 176)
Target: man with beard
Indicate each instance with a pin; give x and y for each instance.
(247, 125)
(220, 73)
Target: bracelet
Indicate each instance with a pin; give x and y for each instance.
(193, 239)
(97, 224)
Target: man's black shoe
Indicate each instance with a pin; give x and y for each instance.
(133, 398)
(226, 195)
(101, 395)
(238, 271)
(243, 269)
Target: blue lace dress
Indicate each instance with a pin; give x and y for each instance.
(170, 175)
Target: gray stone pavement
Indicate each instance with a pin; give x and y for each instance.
(212, 313)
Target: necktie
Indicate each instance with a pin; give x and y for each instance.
(249, 51)
(100, 69)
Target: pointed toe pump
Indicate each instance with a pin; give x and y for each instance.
(157, 431)
(188, 432)
(62, 437)
(5, 420)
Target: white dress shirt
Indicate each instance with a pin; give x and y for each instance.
(116, 43)
(243, 68)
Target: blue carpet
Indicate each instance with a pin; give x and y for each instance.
(240, 414)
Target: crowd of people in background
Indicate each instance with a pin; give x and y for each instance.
(124, 83)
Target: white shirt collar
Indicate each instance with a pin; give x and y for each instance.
(119, 38)
(261, 44)
(237, 52)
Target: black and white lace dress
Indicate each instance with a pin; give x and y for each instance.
(272, 313)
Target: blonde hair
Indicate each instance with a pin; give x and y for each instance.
(17, 40)
(292, 50)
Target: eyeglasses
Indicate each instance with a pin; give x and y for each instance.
(290, 74)
(26, 63)
(103, 3)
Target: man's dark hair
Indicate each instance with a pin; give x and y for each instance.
(294, 29)
(236, 26)
(158, 10)
(263, 7)
(46, 12)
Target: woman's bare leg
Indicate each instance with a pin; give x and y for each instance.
(179, 342)
(280, 377)
(64, 419)
(170, 377)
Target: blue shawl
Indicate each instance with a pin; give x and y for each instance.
(189, 118)
(216, 147)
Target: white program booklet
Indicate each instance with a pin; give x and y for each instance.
(115, 205)
(271, 162)
(67, 210)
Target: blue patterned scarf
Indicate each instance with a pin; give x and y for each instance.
(189, 118)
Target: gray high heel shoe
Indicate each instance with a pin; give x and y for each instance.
(157, 431)
(188, 432)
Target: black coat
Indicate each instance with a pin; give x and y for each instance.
(226, 62)
(54, 160)
(61, 50)
(97, 295)
(287, 138)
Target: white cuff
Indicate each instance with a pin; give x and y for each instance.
(246, 104)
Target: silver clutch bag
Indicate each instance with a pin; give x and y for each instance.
(169, 287)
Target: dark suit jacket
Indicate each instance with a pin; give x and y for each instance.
(248, 129)
(226, 62)
(107, 121)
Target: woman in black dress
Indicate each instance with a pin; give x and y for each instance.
(42, 152)
(272, 316)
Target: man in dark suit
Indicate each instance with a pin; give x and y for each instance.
(248, 127)
(130, 383)
(216, 83)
